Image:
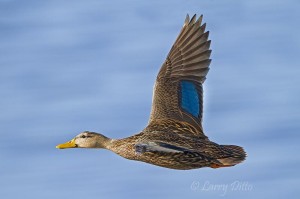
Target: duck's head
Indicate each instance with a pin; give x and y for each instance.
(86, 139)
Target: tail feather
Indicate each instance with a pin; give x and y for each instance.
(236, 156)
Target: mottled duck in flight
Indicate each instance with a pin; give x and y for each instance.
(174, 137)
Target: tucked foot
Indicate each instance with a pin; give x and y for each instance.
(215, 166)
(140, 148)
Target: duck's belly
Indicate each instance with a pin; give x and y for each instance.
(174, 162)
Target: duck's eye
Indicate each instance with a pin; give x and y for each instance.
(83, 136)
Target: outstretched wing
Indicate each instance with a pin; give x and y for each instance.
(178, 92)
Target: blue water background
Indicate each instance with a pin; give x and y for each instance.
(70, 66)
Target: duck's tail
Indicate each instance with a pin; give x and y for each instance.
(236, 156)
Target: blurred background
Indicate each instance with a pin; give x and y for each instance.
(70, 66)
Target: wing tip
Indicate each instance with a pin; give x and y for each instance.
(190, 21)
(187, 20)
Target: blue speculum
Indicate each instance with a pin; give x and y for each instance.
(190, 98)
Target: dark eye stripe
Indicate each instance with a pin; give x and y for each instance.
(85, 136)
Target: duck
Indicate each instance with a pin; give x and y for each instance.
(174, 137)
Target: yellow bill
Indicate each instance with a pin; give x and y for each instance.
(70, 144)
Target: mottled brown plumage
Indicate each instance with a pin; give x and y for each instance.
(174, 136)
(188, 59)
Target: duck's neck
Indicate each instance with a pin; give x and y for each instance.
(122, 147)
(113, 144)
(102, 141)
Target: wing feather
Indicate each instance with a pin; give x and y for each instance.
(186, 64)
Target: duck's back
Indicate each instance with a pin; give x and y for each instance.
(173, 144)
